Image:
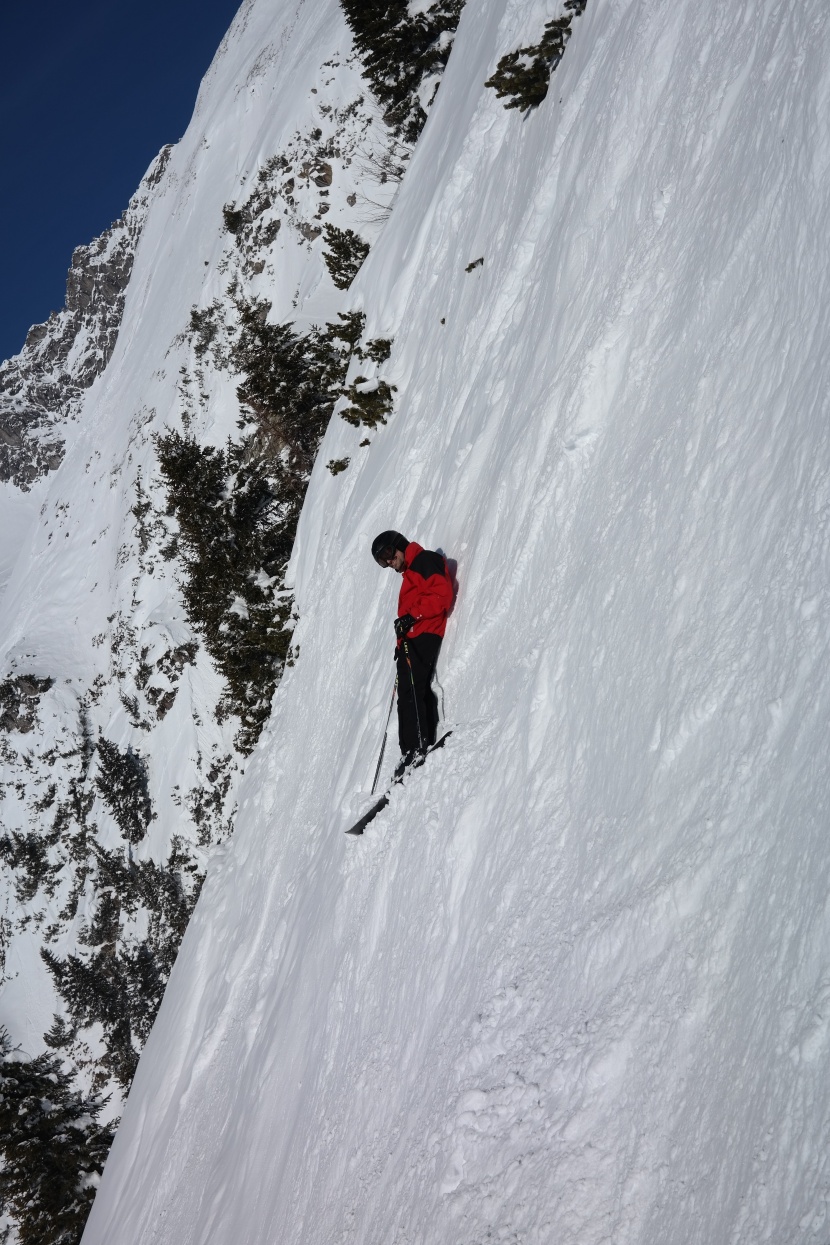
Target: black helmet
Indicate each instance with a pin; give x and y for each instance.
(385, 546)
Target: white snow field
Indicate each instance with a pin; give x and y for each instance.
(573, 985)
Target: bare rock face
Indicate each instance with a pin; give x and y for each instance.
(18, 701)
(40, 388)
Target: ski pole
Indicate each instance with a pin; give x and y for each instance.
(414, 697)
(385, 733)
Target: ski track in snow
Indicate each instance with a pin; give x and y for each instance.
(573, 984)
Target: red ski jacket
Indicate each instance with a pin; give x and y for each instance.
(426, 591)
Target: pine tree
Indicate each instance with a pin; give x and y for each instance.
(399, 51)
(345, 256)
(233, 538)
(52, 1146)
(123, 784)
(237, 508)
(27, 856)
(290, 382)
(523, 77)
(116, 984)
(96, 990)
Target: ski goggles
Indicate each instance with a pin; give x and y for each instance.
(386, 555)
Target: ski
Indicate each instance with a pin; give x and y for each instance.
(380, 804)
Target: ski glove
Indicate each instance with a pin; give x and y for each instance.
(404, 625)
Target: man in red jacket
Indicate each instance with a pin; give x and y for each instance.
(423, 604)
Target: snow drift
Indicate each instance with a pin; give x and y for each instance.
(573, 985)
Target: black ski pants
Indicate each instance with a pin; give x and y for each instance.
(417, 702)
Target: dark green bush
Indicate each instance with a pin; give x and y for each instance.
(119, 984)
(234, 218)
(371, 402)
(122, 783)
(204, 326)
(345, 256)
(231, 541)
(292, 381)
(379, 349)
(53, 1148)
(399, 51)
(27, 856)
(237, 507)
(523, 77)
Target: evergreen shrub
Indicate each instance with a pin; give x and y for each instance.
(379, 349)
(291, 382)
(115, 982)
(123, 785)
(237, 506)
(204, 325)
(231, 542)
(52, 1147)
(371, 402)
(235, 219)
(523, 77)
(27, 856)
(345, 256)
(400, 51)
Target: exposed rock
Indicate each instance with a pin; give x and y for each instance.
(40, 388)
(18, 701)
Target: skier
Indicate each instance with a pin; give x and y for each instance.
(423, 604)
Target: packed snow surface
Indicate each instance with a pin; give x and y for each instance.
(573, 985)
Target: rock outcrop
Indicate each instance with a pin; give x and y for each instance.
(40, 388)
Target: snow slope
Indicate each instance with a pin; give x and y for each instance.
(574, 984)
(89, 601)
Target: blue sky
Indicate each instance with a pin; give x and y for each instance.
(89, 91)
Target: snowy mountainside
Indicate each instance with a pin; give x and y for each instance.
(574, 984)
(146, 618)
(40, 388)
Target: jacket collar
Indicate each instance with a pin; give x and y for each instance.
(411, 552)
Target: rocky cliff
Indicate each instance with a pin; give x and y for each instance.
(41, 388)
